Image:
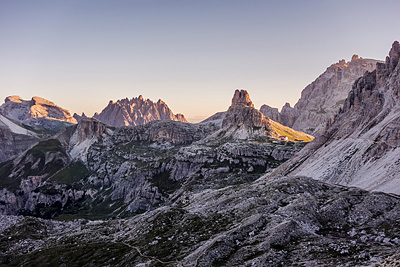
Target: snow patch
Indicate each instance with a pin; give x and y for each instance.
(14, 127)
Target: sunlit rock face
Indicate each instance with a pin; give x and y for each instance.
(243, 121)
(361, 146)
(242, 97)
(17, 109)
(242, 112)
(37, 112)
(136, 111)
(321, 100)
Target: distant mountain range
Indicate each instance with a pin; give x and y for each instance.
(136, 111)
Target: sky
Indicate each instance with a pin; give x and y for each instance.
(191, 54)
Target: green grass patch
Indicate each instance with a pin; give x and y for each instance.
(50, 145)
(38, 152)
(74, 172)
(83, 254)
(6, 182)
(164, 183)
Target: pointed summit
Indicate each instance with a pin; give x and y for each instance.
(355, 57)
(242, 97)
(394, 55)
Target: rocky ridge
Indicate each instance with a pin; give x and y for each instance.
(321, 100)
(361, 146)
(136, 111)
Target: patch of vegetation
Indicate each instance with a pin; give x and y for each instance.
(38, 153)
(39, 130)
(174, 231)
(74, 172)
(164, 183)
(100, 208)
(291, 134)
(50, 145)
(82, 254)
(104, 208)
(47, 189)
(28, 228)
(6, 182)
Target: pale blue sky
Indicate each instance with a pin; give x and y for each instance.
(191, 54)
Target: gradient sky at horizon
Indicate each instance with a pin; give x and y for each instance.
(191, 54)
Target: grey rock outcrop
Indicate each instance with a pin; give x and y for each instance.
(215, 119)
(78, 118)
(270, 112)
(136, 111)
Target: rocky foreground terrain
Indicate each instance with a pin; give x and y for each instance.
(269, 222)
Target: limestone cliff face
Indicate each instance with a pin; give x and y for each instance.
(36, 112)
(361, 146)
(321, 100)
(272, 113)
(136, 111)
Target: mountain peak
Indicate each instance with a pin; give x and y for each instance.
(394, 55)
(136, 111)
(355, 57)
(36, 112)
(242, 97)
(14, 98)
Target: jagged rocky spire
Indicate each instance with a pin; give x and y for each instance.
(242, 97)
